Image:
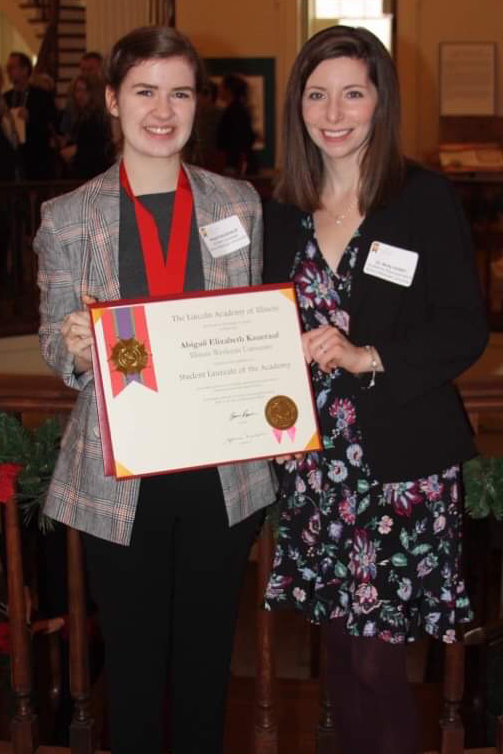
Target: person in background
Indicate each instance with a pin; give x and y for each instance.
(44, 81)
(208, 118)
(235, 135)
(91, 66)
(381, 257)
(8, 147)
(8, 139)
(90, 149)
(34, 111)
(166, 554)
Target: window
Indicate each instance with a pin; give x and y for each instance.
(375, 15)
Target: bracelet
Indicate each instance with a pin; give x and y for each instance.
(373, 366)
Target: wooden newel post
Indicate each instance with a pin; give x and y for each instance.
(326, 738)
(24, 726)
(266, 728)
(453, 734)
(82, 725)
(499, 735)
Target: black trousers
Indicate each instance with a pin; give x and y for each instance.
(170, 599)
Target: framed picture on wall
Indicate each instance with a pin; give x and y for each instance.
(467, 78)
(259, 74)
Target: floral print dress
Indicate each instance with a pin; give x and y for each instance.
(385, 557)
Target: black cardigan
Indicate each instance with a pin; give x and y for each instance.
(413, 423)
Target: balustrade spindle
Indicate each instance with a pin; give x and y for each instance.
(453, 733)
(82, 725)
(326, 734)
(55, 665)
(266, 728)
(499, 735)
(476, 398)
(24, 726)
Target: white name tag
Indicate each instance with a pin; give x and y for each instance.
(391, 263)
(224, 236)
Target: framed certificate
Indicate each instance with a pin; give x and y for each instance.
(196, 380)
(467, 78)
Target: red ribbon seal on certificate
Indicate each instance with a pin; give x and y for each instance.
(128, 347)
(281, 413)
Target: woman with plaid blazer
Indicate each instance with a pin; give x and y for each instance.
(166, 554)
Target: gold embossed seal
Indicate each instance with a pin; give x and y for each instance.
(281, 412)
(129, 356)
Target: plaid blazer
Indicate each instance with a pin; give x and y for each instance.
(77, 244)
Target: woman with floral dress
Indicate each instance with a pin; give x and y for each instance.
(380, 254)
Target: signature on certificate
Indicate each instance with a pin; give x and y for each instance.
(245, 414)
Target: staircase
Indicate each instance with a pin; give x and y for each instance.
(71, 38)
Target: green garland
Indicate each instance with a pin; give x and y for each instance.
(483, 483)
(36, 451)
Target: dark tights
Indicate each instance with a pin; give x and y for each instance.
(367, 683)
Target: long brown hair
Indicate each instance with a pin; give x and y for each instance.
(382, 166)
(95, 89)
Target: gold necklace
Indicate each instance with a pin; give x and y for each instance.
(339, 218)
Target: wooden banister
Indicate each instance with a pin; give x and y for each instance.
(480, 397)
(453, 733)
(266, 725)
(82, 726)
(24, 726)
(161, 12)
(48, 394)
(326, 734)
(48, 59)
(21, 393)
(44, 394)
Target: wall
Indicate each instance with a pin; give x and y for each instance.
(225, 28)
(219, 29)
(422, 25)
(108, 20)
(15, 33)
(229, 28)
(270, 28)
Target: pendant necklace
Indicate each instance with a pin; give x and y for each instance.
(340, 217)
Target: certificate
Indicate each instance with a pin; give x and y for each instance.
(202, 379)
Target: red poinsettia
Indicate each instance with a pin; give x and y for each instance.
(9, 472)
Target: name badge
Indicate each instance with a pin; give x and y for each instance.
(391, 263)
(224, 236)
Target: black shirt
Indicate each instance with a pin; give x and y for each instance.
(132, 273)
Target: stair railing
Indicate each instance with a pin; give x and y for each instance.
(24, 725)
(22, 395)
(27, 394)
(162, 12)
(48, 57)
